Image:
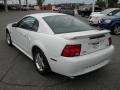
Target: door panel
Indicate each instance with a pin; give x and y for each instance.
(21, 38)
(24, 27)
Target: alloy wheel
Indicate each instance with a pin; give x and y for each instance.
(117, 30)
(8, 38)
(39, 62)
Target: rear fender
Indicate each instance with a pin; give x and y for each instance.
(41, 46)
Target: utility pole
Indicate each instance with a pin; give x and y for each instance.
(6, 6)
(26, 2)
(93, 6)
(20, 4)
(106, 3)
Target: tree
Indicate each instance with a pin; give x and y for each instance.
(26, 2)
(19, 3)
(6, 7)
(40, 2)
(100, 3)
(107, 3)
(112, 3)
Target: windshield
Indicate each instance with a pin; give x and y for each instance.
(107, 11)
(117, 14)
(66, 24)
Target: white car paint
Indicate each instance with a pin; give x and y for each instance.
(95, 13)
(95, 17)
(53, 44)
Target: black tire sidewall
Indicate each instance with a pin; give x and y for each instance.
(7, 33)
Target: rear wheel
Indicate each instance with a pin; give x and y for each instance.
(8, 38)
(116, 30)
(41, 62)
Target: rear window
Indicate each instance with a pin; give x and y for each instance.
(66, 24)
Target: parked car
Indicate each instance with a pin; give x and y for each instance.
(97, 16)
(87, 11)
(25, 8)
(56, 9)
(67, 10)
(31, 7)
(60, 43)
(10, 7)
(112, 23)
(2, 7)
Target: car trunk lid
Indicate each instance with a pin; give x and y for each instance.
(91, 41)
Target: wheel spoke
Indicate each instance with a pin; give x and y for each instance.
(117, 30)
(39, 62)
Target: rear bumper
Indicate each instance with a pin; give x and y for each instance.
(82, 64)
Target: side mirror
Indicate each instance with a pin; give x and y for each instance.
(14, 25)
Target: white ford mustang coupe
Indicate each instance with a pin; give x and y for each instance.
(60, 43)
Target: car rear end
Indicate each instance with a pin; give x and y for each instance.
(84, 49)
(84, 53)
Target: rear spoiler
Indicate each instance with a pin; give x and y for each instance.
(80, 35)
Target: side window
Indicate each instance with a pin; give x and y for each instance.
(35, 25)
(27, 23)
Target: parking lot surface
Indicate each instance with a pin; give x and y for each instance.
(17, 72)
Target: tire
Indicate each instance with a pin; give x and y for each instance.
(116, 30)
(41, 62)
(8, 38)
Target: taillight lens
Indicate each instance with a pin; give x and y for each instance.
(71, 50)
(110, 41)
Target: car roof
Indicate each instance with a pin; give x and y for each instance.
(113, 8)
(40, 15)
(106, 11)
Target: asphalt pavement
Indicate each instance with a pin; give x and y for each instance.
(17, 72)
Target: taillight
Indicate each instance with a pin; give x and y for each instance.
(71, 50)
(110, 41)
